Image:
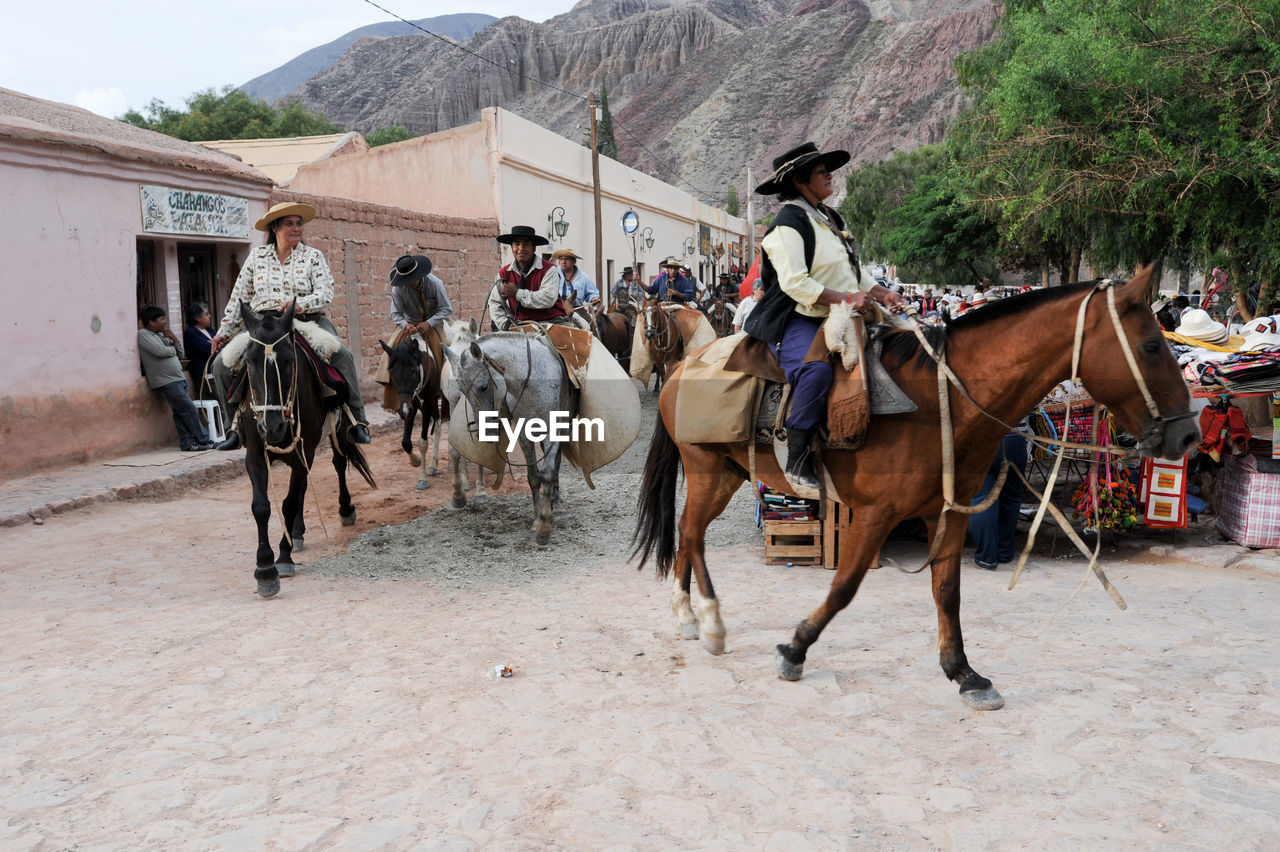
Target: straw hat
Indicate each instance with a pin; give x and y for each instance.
(559, 253)
(671, 262)
(286, 208)
(979, 298)
(1198, 325)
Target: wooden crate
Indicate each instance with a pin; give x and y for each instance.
(835, 526)
(792, 541)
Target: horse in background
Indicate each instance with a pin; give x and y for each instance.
(415, 375)
(1124, 362)
(662, 336)
(614, 330)
(284, 417)
(720, 315)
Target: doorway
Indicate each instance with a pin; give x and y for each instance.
(196, 265)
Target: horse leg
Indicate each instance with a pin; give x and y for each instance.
(857, 551)
(481, 497)
(711, 485)
(406, 436)
(291, 509)
(422, 458)
(459, 478)
(265, 572)
(434, 469)
(346, 509)
(540, 488)
(975, 690)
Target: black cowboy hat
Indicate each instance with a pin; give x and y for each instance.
(786, 164)
(627, 269)
(410, 268)
(525, 231)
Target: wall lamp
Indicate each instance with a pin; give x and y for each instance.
(559, 226)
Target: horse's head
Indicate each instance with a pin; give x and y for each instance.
(480, 379)
(405, 368)
(459, 332)
(271, 365)
(1147, 394)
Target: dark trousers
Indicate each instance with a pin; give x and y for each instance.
(811, 382)
(994, 529)
(191, 431)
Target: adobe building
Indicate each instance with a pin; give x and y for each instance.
(508, 169)
(100, 218)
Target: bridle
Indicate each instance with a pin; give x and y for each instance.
(287, 406)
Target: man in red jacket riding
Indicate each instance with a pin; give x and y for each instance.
(527, 289)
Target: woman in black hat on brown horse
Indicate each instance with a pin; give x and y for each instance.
(809, 263)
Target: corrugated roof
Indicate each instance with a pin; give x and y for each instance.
(280, 158)
(23, 117)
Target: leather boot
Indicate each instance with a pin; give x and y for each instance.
(231, 443)
(800, 459)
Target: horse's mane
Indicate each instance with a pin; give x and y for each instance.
(902, 345)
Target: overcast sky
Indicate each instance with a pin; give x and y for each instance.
(111, 55)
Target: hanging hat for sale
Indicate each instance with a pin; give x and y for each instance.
(1198, 325)
(1262, 333)
(286, 208)
(786, 165)
(523, 232)
(559, 253)
(410, 268)
(979, 298)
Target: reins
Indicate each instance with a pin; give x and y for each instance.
(947, 377)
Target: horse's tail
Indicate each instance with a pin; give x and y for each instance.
(357, 460)
(656, 521)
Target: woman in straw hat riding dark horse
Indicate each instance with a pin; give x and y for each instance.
(898, 474)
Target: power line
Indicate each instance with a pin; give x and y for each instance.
(658, 160)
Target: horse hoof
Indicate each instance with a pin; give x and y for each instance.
(423, 485)
(433, 471)
(713, 645)
(268, 588)
(414, 460)
(542, 539)
(480, 501)
(349, 520)
(286, 569)
(689, 631)
(983, 699)
(298, 543)
(788, 670)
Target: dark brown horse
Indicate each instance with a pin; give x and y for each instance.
(282, 418)
(720, 315)
(662, 336)
(415, 375)
(1008, 356)
(614, 330)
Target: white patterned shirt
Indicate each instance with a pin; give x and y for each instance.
(265, 283)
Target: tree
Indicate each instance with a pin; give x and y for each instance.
(1135, 129)
(605, 140)
(731, 203)
(387, 135)
(229, 114)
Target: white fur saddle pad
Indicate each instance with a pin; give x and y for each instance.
(322, 342)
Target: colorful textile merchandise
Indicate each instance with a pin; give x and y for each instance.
(1250, 509)
(1116, 504)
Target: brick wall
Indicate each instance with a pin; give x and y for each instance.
(361, 242)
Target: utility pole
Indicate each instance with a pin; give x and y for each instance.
(751, 219)
(603, 285)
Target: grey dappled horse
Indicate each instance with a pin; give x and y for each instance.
(519, 377)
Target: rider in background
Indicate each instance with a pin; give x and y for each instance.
(671, 286)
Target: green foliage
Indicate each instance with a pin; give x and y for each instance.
(387, 135)
(607, 143)
(732, 205)
(1132, 129)
(229, 114)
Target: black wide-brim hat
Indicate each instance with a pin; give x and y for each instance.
(410, 268)
(523, 231)
(785, 165)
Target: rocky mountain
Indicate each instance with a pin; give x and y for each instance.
(275, 84)
(699, 89)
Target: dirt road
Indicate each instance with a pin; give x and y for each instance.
(149, 699)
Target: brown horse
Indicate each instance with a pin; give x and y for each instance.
(662, 335)
(614, 331)
(1007, 356)
(720, 315)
